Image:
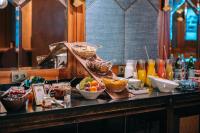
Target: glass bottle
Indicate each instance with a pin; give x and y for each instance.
(183, 64)
(178, 71)
(190, 67)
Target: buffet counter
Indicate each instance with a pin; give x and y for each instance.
(174, 105)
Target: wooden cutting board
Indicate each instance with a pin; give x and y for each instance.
(114, 96)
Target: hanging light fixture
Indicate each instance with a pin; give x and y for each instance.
(3, 4)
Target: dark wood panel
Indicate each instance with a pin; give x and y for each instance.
(48, 25)
(6, 26)
(189, 124)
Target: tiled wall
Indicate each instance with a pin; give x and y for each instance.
(123, 28)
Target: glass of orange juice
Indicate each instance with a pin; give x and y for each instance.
(169, 70)
(142, 72)
(150, 71)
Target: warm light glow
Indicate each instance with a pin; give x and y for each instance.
(3, 3)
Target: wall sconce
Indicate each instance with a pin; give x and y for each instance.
(3, 4)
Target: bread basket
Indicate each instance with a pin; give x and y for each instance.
(115, 85)
(84, 51)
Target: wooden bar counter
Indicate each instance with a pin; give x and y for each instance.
(173, 105)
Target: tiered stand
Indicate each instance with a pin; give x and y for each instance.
(114, 96)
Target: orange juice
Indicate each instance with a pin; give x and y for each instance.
(142, 75)
(169, 70)
(150, 71)
(161, 68)
(142, 71)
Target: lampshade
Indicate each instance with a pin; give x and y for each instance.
(3, 4)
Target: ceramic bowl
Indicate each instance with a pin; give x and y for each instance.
(88, 94)
(15, 104)
(153, 83)
(134, 83)
(165, 85)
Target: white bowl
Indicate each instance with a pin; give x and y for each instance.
(153, 82)
(88, 94)
(165, 85)
(134, 83)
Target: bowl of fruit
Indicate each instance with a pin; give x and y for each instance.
(90, 88)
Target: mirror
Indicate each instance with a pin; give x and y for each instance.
(8, 54)
(33, 26)
(184, 27)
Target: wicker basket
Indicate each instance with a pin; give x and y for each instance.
(115, 85)
(84, 51)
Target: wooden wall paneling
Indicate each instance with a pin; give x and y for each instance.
(198, 41)
(27, 26)
(81, 14)
(81, 36)
(5, 26)
(180, 34)
(189, 124)
(72, 32)
(48, 25)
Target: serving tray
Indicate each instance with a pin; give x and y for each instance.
(114, 96)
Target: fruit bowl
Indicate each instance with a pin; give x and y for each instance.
(89, 94)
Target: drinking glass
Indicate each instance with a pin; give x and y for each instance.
(150, 71)
(142, 72)
(169, 70)
(161, 68)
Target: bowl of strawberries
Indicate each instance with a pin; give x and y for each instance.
(90, 88)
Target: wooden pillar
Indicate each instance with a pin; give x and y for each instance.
(198, 38)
